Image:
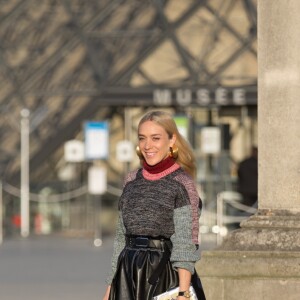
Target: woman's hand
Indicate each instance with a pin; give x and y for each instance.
(106, 296)
(184, 282)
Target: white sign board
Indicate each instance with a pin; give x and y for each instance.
(210, 140)
(124, 151)
(97, 180)
(96, 140)
(74, 151)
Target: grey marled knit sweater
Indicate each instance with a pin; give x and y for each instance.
(165, 204)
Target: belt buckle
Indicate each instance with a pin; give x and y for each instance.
(141, 242)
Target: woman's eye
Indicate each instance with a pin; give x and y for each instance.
(155, 138)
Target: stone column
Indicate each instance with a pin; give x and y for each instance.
(262, 259)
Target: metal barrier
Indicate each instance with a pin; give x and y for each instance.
(74, 212)
(234, 199)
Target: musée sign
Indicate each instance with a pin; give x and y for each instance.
(205, 97)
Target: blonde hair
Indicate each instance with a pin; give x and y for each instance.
(186, 158)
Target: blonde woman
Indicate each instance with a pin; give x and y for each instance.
(156, 240)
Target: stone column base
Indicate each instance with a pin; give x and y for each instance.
(260, 261)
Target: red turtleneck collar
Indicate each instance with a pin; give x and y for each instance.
(160, 167)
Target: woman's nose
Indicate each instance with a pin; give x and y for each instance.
(147, 144)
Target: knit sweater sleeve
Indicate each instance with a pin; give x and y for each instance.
(184, 252)
(186, 223)
(119, 244)
(119, 241)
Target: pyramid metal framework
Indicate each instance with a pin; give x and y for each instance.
(67, 61)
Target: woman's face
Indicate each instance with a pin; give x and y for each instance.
(154, 142)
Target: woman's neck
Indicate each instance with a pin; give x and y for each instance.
(160, 167)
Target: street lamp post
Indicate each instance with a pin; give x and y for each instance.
(25, 113)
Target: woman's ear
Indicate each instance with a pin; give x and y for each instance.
(173, 140)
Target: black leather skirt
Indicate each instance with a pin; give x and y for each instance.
(144, 270)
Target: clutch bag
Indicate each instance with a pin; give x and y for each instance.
(173, 293)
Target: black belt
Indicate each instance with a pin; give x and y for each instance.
(147, 242)
(150, 242)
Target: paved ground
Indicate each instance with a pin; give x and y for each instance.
(54, 268)
(47, 268)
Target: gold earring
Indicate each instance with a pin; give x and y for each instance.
(174, 152)
(139, 152)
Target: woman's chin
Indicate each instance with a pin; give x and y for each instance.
(151, 162)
